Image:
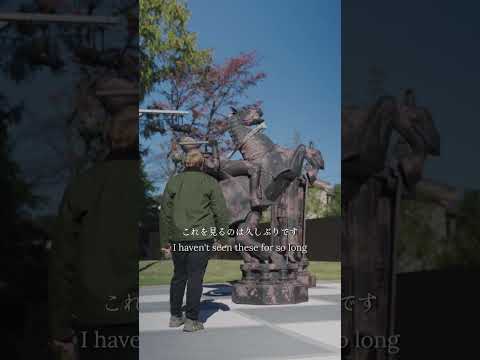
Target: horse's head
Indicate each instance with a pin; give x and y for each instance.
(415, 125)
(249, 115)
(412, 122)
(366, 137)
(315, 159)
(419, 120)
(314, 156)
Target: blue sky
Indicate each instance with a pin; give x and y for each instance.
(298, 45)
(432, 50)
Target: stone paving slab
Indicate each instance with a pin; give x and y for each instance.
(296, 314)
(304, 331)
(218, 343)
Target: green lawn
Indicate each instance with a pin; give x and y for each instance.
(160, 272)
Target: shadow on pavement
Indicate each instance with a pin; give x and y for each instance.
(218, 290)
(210, 307)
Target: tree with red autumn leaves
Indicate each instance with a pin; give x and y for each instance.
(208, 93)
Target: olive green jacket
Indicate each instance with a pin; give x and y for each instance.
(93, 274)
(193, 208)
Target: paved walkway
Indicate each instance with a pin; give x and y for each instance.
(233, 331)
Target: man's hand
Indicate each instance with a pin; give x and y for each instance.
(167, 250)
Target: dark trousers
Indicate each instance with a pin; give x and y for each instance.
(189, 269)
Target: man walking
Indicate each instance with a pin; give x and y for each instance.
(192, 214)
(94, 256)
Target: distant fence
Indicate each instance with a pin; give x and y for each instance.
(322, 239)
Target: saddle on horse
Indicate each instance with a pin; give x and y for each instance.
(285, 176)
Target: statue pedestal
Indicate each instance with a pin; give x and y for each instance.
(305, 276)
(267, 284)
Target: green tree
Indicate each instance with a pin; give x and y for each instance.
(15, 191)
(463, 249)
(16, 196)
(418, 240)
(424, 244)
(150, 204)
(315, 208)
(334, 207)
(165, 42)
(208, 93)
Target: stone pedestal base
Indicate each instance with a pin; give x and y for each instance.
(268, 284)
(307, 279)
(282, 292)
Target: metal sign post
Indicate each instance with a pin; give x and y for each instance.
(163, 112)
(18, 17)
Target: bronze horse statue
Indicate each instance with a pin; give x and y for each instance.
(366, 136)
(255, 182)
(376, 173)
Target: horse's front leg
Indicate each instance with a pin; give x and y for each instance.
(254, 180)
